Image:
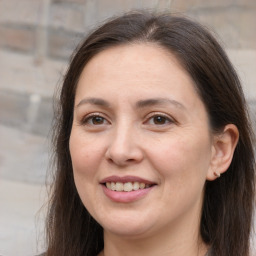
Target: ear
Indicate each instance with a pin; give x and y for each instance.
(223, 148)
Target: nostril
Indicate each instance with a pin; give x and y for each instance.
(110, 160)
(122, 156)
(120, 161)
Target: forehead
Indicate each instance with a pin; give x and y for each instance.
(139, 54)
(142, 68)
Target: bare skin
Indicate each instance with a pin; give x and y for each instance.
(137, 114)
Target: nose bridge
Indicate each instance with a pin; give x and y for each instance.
(122, 131)
(123, 146)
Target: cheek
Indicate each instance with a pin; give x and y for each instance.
(183, 166)
(182, 156)
(85, 154)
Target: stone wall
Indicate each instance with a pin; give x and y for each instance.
(37, 38)
(51, 29)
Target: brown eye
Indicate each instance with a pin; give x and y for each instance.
(96, 120)
(160, 120)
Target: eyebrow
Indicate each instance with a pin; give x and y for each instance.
(139, 104)
(159, 101)
(93, 101)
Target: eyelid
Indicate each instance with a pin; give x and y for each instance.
(154, 114)
(87, 117)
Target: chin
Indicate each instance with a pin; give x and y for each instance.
(131, 232)
(126, 227)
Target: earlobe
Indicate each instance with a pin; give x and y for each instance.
(223, 148)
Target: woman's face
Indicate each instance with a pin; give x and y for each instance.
(140, 142)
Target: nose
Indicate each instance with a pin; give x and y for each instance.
(124, 146)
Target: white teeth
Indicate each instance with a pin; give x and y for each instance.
(136, 185)
(113, 186)
(142, 185)
(119, 186)
(127, 186)
(108, 184)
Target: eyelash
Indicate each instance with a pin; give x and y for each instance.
(88, 119)
(166, 118)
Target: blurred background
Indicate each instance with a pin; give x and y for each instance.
(37, 38)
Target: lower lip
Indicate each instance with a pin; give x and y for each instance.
(126, 197)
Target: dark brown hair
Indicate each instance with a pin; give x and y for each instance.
(228, 203)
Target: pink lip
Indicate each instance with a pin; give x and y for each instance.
(126, 197)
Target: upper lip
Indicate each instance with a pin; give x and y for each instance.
(125, 179)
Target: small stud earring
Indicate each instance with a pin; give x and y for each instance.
(217, 174)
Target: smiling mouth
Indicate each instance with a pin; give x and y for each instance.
(127, 186)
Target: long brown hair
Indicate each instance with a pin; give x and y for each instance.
(228, 203)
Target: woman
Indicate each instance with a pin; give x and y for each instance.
(153, 144)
